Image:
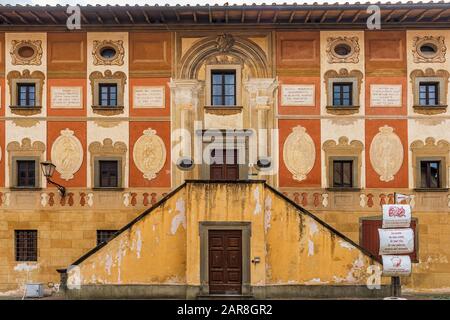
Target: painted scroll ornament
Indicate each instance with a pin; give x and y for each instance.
(67, 154)
(386, 153)
(149, 154)
(299, 153)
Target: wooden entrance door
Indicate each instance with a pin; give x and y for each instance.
(225, 261)
(224, 165)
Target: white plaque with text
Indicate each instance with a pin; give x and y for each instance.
(148, 97)
(298, 95)
(66, 97)
(386, 95)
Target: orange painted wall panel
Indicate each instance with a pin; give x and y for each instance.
(298, 110)
(2, 52)
(313, 129)
(401, 177)
(387, 110)
(385, 50)
(53, 131)
(150, 112)
(136, 178)
(66, 83)
(2, 95)
(150, 51)
(2, 153)
(66, 53)
(298, 50)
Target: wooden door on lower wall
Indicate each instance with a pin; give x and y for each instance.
(224, 165)
(225, 261)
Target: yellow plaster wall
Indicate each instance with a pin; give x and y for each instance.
(152, 251)
(164, 246)
(300, 250)
(63, 236)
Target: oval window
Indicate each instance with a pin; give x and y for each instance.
(25, 52)
(342, 49)
(428, 49)
(264, 163)
(108, 52)
(185, 163)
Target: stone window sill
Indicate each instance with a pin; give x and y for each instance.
(431, 189)
(430, 110)
(25, 111)
(25, 188)
(223, 110)
(345, 110)
(108, 189)
(107, 111)
(336, 189)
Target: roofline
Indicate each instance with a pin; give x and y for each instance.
(314, 6)
(306, 16)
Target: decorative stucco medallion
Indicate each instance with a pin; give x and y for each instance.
(108, 52)
(343, 50)
(429, 49)
(224, 42)
(299, 153)
(26, 52)
(386, 153)
(149, 154)
(67, 154)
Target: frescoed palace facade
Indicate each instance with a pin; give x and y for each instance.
(342, 117)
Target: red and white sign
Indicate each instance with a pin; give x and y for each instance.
(396, 216)
(396, 266)
(396, 241)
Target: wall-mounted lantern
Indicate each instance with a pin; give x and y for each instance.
(48, 168)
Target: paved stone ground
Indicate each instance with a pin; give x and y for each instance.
(443, 296)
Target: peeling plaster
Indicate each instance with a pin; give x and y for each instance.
(346, 245)
(108, 264)
(310, 248)
(268, 212)
(138, 243)
(316, 281)
(313, 228)
(258, 208)
(179, 218)
(26, 267)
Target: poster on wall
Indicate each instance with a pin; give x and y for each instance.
(396, 241)
(396, 216)
(396, 266)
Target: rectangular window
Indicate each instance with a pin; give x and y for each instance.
(343, 173)
(108, 173)
(342, 94)
(104, 235)
(108, 94)
(26, 173)
(429, 93)
(223, 87)
(26, 245)
(26, 94)
(430, 174)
